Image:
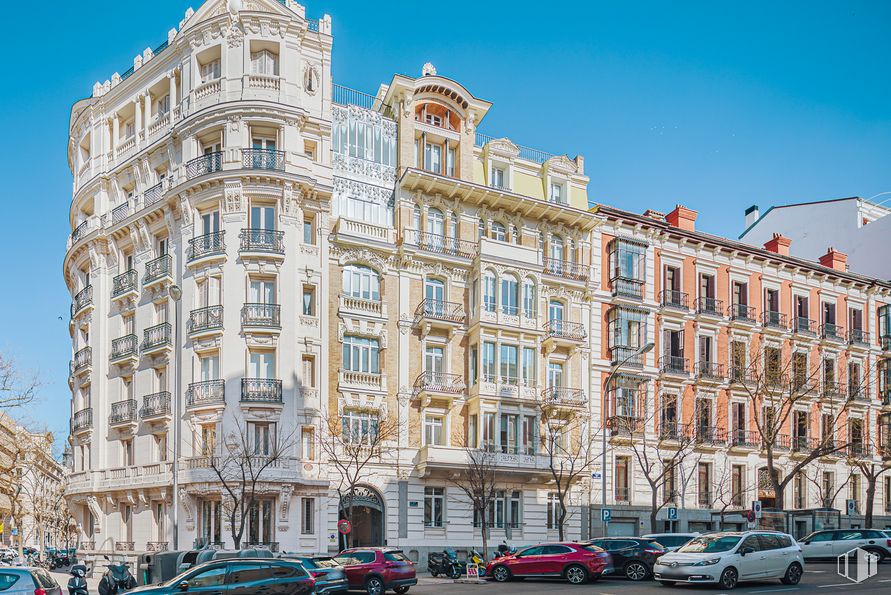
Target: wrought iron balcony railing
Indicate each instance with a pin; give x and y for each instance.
(781, 442)
(624, 425)
(440, 310)
(205, 164)
(122, 412)
(805, 326)
(82, 420)
(704, 499)
(156, 336)
(124, 283)
(120, 212)
(742, 312)
(155, 405)
(563, 395)
(673, 431)
(564, 329)
(158, 269)
(742, 375)
(674, 299)
(627, 287)
(832, 332)
(210, 244)
(672, 364)
(855, 450)
(206, 319)
(440, 244)
(856, 392)
(744, 438)
(832, 388)
(622, 494)
(800, 384)
(263, 159)
(710, 306)
(153, 194)
(80, 231)
(439, 382)
(709, 435)
(125, 346)
(711, 371)
(262, 240)
(565, 269)
(83, 358)
(626, 356)
(82, 299)
(261, 315)
(261, 390)
(774, 381)
(801, 444)
(776, 320)
(206, 392)
(858, 336)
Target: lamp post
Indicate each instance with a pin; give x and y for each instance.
(615, 368)
(176, 293)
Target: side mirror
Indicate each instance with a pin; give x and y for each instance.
(183, 586)
(746, 550)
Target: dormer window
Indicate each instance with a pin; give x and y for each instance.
(264, 62)
(163, 105)
(557, 193)
(499, 176)
(210, 71)
(433, 158)
(433, 120)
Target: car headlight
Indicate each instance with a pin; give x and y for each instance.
(710, 562)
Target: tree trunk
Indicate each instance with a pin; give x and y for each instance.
(653, 509)
(561, 519)
(484, 526)
(872, 480)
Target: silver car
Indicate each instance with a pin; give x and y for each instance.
(831, 543)
(21, 580)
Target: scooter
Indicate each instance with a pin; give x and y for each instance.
(116, 579)
(504, 550)
(476, 558)
(77, 584)
(445, 563)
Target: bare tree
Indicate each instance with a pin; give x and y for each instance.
(40, 490)
(827, 490)
(242, 464)
(727, 496)
(873, 460)
(14, 448)
(15, 388)
(350, 450)
(478, 482)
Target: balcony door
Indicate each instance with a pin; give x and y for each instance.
(555, 374)
(262, 292)
(262, 218)
(434, 295)
(262, 365)
(555, 312)
(434, 359)
(210, 222)
(435, 223)
(210, 368)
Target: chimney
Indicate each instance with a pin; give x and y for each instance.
(683, 218)
(751, 215)
(778, 244)
(834, 259)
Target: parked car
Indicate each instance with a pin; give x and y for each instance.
(329, 574)
(577, 563)
(33, 581)
(633, 557)
(671, 541)
(729, 557)
(238, 576)
(377, 570)
(830, 544)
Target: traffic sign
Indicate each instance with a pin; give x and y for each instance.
(756, 508)
(344, 526)
(473, 572)
(850, 505)
(672, 514)
(750, 517)
(606, 515)
(596, 475)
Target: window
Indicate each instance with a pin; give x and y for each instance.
(498, 231)
(627, 262)
(127, 452)
(360, 354)
(433, 158)
(307, 515)
(529, 361)
(361, 282)
(247, 572)
(557, 193)
(509, 295)
(308, 370)
(828, 489)
(208, 439)
(433, 430)
(261, 364)
(211, 577)
(261, 437)
(359, 426)
(264, 62)
(309, 237)
(434, 506)
(434, 357)
(498, 178)
(260, 526)
(161, 447)
(513, 509)
(555, 374)
(210, 71)
(489, 371)
(474, 362)
(489, 291)
(309, 300)
(509, 362)
(627, 334)
(553, 518)
(374, 142)
(558, 250)
(529, 298)
(308, 443)
(704, 484)
(622, 482)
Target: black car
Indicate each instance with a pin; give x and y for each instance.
(328, 572)
(632, 556)
(238, 576)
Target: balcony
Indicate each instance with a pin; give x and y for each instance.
(623, 356)
(447, 460)
(676, 300)
(672, 431)
(624, 425)
(206, 247)
(440, 244)
(261, 316)
(711, 372)
(568, 270)
(261, 390)
(205, 164)
(709, 306)
(744, 439)
(622, 494)
(781, 443)
(802, 444)
(361, 306)
(804, 326)
(205, 321)
(832, 332)
(124, 546)
(856, 392)
(262, 242)
(709, 436)
(560, 332)
(704, 499)
(627, 287)
(268, 159)
(673, 365)
(206, 394)
(833, 389)
(350, 379)
(156, 338)
(125, 350)
(80, 231)
(155, 406)
(801, 385)
(82, 300)
(858, 337)
(742, 313)
(153, 195)
(438, 314)
(82, 420)
(775, 320)
(124, 285)
(83, 361)
(855, 450)
(742, 375)
(158, 270)
(429, 385)
(360, 231)
(123, 413)
(563, 397)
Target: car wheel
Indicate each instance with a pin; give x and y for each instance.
(667, 583)
(729, 578)
(636, 571)
(880, 554)
(501, 574)
(374, 586)
(793, 574)
(576, 575)
(401, 590)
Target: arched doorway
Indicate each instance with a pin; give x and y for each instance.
(366, 517)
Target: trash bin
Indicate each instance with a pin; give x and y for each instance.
(165, 566)
(144, 569)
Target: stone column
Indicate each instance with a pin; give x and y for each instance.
(148, 113)
(138, 122)
(172, 76)
(115, 133)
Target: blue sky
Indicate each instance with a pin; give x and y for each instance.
(716, 105)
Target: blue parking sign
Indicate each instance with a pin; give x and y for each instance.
(606, 515)
(672, 514)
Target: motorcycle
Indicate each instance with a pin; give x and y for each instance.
(445, 563)
(476, 558)
(504, 550)
(116, 579)
(77, 584)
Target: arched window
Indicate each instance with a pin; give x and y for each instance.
(362, 282)
(498, 231)
(435, 222)
(489, 291)
(529, 298)
(510, 295)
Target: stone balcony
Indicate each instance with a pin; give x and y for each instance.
(349, 380)
(360, 231)
(445, 460)
(356, 306)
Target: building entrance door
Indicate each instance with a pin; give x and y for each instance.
(366, 517)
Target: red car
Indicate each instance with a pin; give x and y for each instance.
(575, 562)
(377, 569)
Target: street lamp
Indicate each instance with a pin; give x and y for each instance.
(615, 368)
(176, 293)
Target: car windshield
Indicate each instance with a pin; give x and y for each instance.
(711, 543)
(325, 562)
(673, 540)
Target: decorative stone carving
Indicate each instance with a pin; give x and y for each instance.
(361, 167)
(363, 256)
(186, 501)
(96, 510)
(234, 36)
(285, 500)
(232, 193)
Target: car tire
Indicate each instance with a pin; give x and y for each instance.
(636, 571)
(882, 556)
(729, 578)
(793, 574)
(576, 574)
(501, 574)
(374, 585)
(667, 583)
(402, 589)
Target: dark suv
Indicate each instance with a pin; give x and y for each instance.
(238, 576)
(632, 556)
(376, 569)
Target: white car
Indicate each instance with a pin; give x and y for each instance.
(671, 541)
(831, 543)
(727, 558)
